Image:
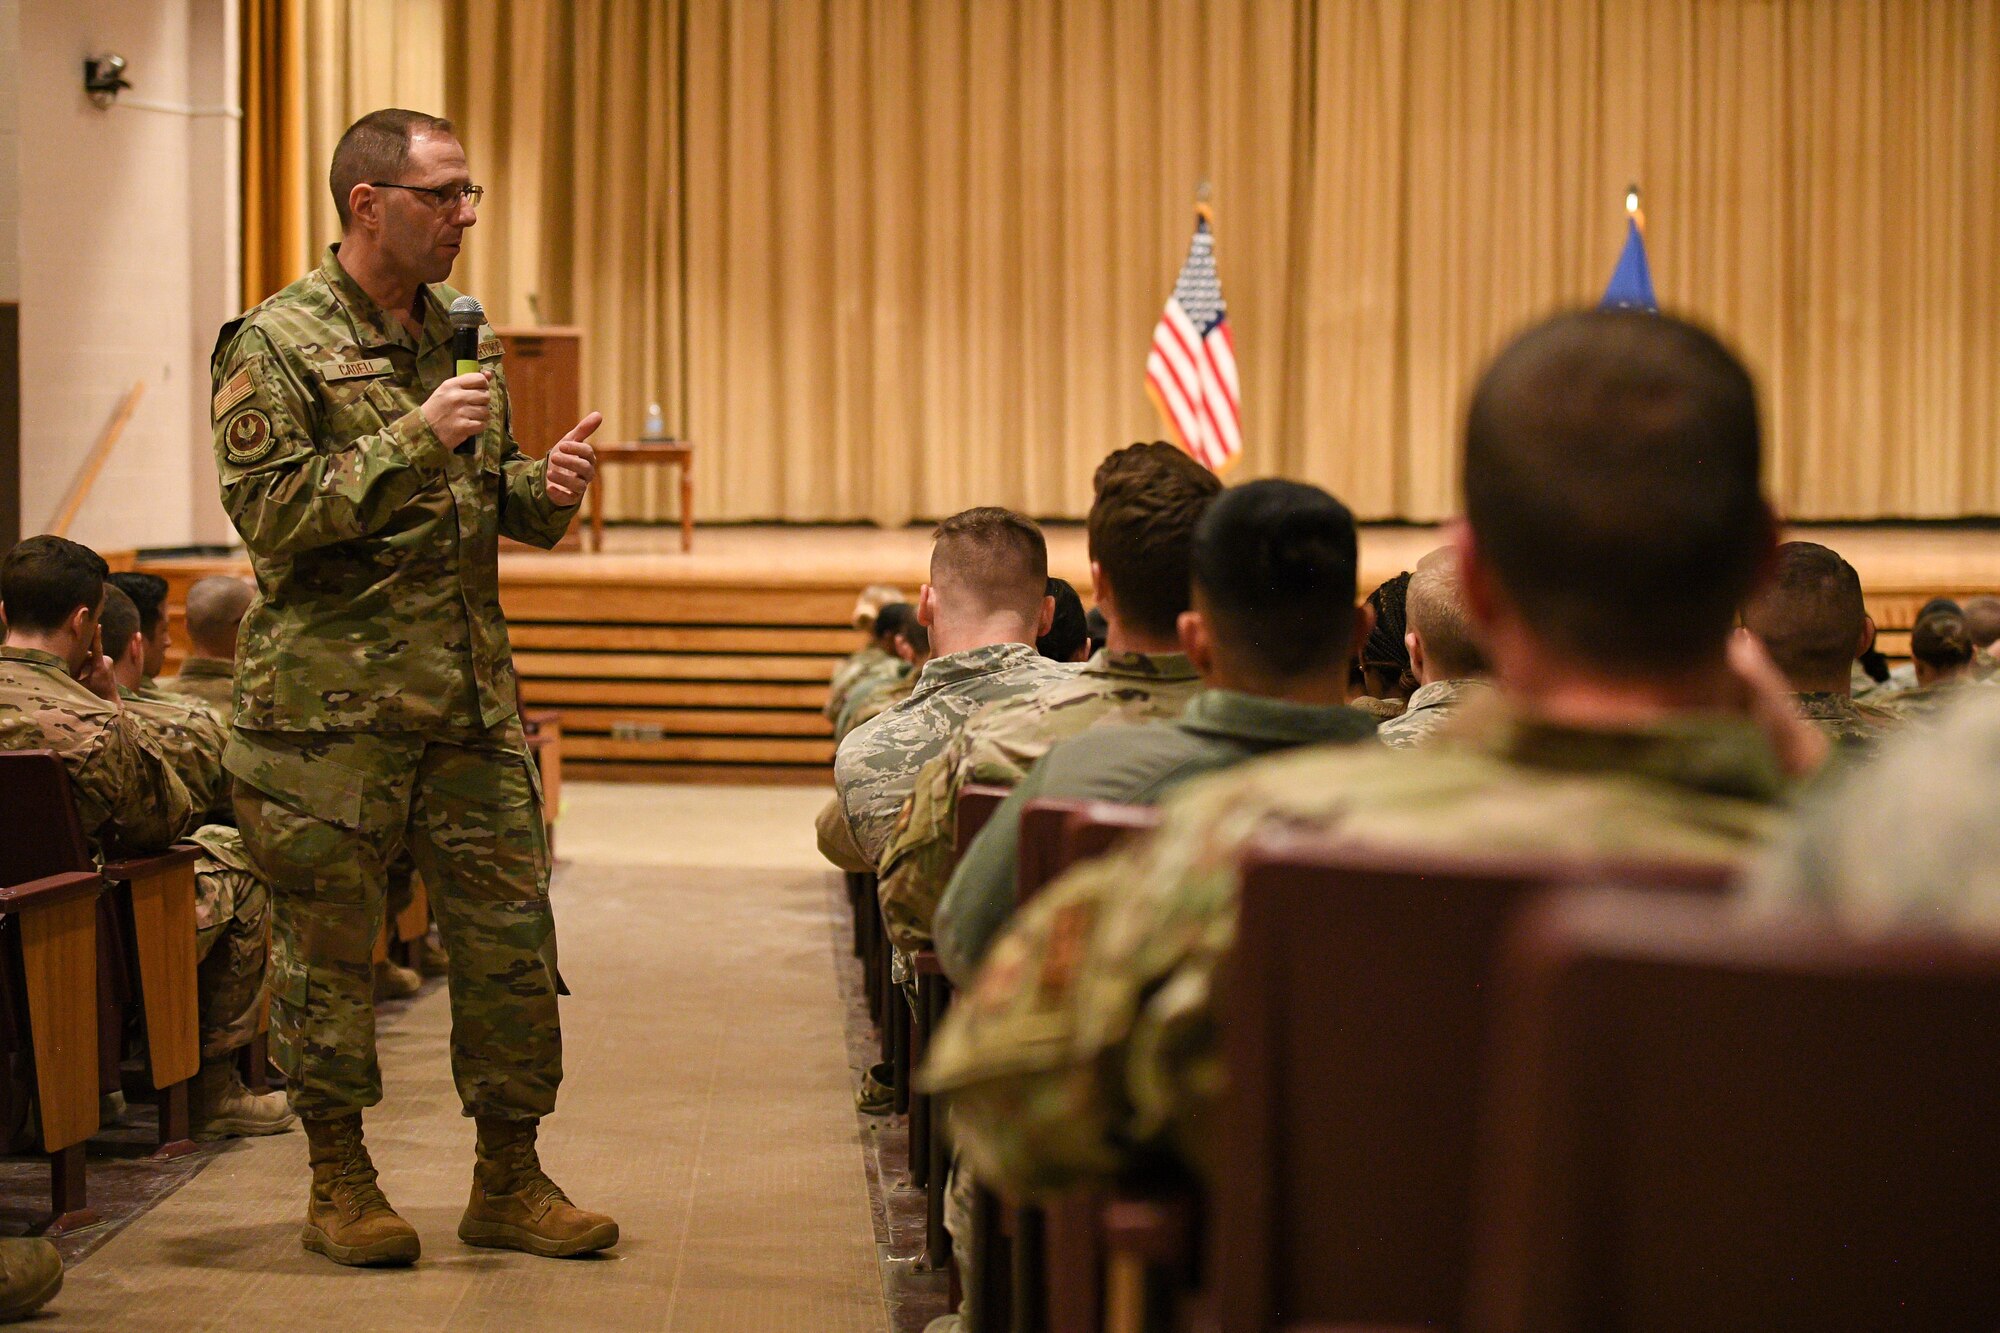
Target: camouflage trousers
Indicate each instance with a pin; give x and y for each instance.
(232, 941)
(326, 816)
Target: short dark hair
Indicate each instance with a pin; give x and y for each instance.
(376, 148)
(1274, 562)
(916, 637)
(148, 592)
(994, 557)
(1612, 483)
(1067, 631)
(1941, 641)
(1141, 526)
(1810, 614)
(118, 621)
(44, 579)
(890, 619)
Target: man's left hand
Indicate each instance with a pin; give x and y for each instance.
(572, 463)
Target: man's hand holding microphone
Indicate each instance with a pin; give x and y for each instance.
(459, 409)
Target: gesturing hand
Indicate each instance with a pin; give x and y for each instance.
(572, 463)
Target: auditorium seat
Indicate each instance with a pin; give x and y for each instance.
(146, 944)
(1053, 1251)
(1702, 1119)
(48, 1021)
(1358, 1003)
(929, 1160)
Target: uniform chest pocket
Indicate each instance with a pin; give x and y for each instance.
(355, 408)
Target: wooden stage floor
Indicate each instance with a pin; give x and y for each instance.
(712, 666)
(1894, 559)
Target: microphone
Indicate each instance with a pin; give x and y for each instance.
(466, 316)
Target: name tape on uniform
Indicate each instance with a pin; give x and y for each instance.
(488, 349)
(354, 370)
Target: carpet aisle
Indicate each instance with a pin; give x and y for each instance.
(707, 1105)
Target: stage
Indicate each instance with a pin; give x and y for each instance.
(711, 666)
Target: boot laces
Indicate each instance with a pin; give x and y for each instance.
(351, 1184)
(522, 1166)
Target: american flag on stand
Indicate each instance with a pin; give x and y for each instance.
(1191, 371)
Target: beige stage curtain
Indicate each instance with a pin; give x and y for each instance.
(882, 259)
(273, 112)
(360, 56)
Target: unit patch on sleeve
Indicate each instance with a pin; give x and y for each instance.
(231, 394)
(247, 437)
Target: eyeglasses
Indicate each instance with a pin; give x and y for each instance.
(446, 197)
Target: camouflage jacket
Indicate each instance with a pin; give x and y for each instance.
(378, 605)
(871, 698)
(193, 739)
(1130, 765)
(1926, 796)
(1902, 678)
(854, 666)
(1920, 702)
(1846, 723)
(876, 765)
(997, 746)
(208, 680)
(1429, 709)
(1090, 1034)
(125, 787)
(1382, 710)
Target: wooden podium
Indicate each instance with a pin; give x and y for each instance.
(545, 391)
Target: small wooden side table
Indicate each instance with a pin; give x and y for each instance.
(678, 452)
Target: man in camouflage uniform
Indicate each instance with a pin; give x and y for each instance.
(215, 607)
(375, 693)
(983, 606)
(58, 692)
(1615, 525)
(1272, 628)
(189, 735)
(1444, 653)
(149, 595)
(1147, 500)
(1811, 619)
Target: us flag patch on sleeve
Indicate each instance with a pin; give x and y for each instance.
(231, 394)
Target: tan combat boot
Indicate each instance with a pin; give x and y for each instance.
(220, 1107)
(30, 1272)
(393, 981)
(347, 1218)
(516, 1207)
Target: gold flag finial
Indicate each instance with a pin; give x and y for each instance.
(1632, 209)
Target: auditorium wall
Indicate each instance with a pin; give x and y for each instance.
(127, 238)
(884, 258)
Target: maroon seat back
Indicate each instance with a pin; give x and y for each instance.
(1041, 851)
(1702, 1119)
(40, 834)
(1098, 826)
(976, 803)
(1356, 1008)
